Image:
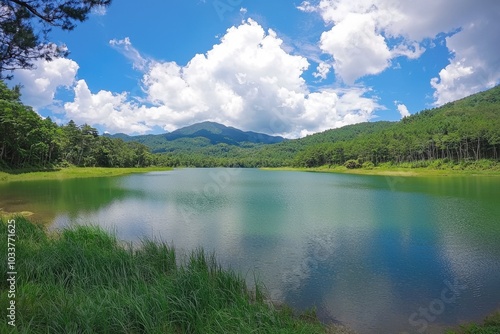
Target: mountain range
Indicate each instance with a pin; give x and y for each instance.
(200, 135)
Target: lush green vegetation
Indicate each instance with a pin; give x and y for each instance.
(84, 280)
(438, 167)
(28, 140)
(72, 173)
(200, 135)
(490, 325)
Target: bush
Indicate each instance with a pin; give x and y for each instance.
(368, 165)
(352, 164)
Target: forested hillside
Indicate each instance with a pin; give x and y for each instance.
(468, 129)
(28, 140)
(192, 138)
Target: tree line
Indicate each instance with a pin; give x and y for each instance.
(28, 140)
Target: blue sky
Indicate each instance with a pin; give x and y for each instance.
(281, 67)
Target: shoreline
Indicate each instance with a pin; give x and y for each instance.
(90, 272)
(91, 172)
(74, 173)
(396, 171)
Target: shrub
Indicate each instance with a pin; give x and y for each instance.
(352, 164)
(368, 165)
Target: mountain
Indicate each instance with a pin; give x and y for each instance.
(199, 135)
(218, 133)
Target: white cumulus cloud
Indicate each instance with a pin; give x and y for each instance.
(322, 70)
(113, 111)
(39, 85)
(403, 110)
(366, 35)
(356, 47)
(475, 64)
(249, 81)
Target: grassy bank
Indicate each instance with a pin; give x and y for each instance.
(430, 168)
(72, 172)
(84, 281)
(490, 325)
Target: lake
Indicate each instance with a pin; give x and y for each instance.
(378, 254)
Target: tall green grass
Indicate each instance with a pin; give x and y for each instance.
(84, 280)
(490, 325)
(7, 175)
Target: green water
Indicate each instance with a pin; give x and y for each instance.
(378, 254)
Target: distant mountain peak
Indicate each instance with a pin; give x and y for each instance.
(200, 135)
(219, 133)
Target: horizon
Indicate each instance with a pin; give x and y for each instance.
(281, 69)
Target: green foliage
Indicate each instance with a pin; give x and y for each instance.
(368, 165)
(83, 281)
(491, 325)
(202, 138)
(463, 135)
(352, 164)
(28, 140)
(454, 135)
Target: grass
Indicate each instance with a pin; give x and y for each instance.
(490, 325)
(72, 172)
(83, 280)
(439, 167)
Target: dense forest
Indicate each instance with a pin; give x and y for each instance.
(461, 131)
(28, 140)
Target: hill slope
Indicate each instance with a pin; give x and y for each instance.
(467, 129)
(200, 135)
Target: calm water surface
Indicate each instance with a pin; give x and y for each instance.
(378, 254)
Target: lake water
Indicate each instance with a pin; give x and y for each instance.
(378, 254)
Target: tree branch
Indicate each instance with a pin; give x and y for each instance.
(32, 10)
